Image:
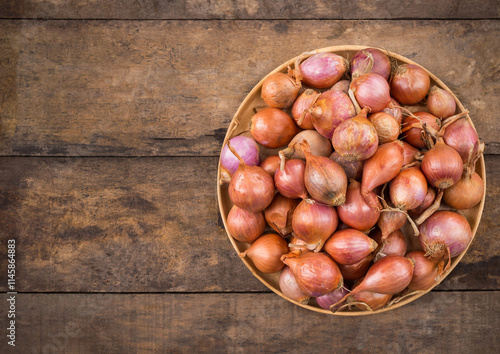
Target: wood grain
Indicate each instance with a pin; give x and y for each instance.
(148, 225)
(460, 322)
(248, 9)
(170, 88)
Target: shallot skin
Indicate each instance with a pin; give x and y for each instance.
(246, 147)
(383, 166)
(353, 169)
(279, 214)
(360, 63)
(462, 137)
(245, 226)
(266, 253)
(413, 136)
(331, 109)
(390, 275)
(289, 181)
(371, 90)
(355, 212)
(441, 103)
(273, 128)
(271, 164)
(428, 200)
(356, 270)
(409, 84)
(356, 138)
(290, 288)
(314, 223)
(426, 271)
(300, 109)
(251, 188)
(318, 144)
(387, 127)
(279, 90)
(408, 189)
(466, 193)
(327, 300)
(445, 229)
(349, 246)
(442, 166)
(315, 273)
(322, 70)
(394, 110)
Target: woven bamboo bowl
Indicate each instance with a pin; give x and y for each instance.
(239, 126)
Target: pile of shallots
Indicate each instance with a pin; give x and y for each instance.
(365, 147)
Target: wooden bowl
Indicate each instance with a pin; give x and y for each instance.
(239, 126)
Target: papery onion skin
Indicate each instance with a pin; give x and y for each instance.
(387, 127)
(394, 245)
(441, 103)
(382, 167)
(349, 246)
(290, 181)
(279, 214)
(251, 188)
(273, 128)
(355, 212)
(371, 90)
(462, 136)
(245, 226)
(390, 221)
(356, 138)
(425, 273)
(428, 200)
(297, 246)
(352, 169)
(300, 109)
(375, 301)
(279, 90)
(408, 189)
(314, 223)
(332, 108)
(409, 153)
(246, 147)
(325, 179)
(394, 110)
(360, 62)
(342, 85)
(327, 300)
(318, 144)
(442, 166)
(414, 135)
(466, 193)
(410, 84)
(315, 273)
(390, 275)
(266, 253)
(288, 286)
(322, 70)
(444, 228)
(271, 164)
(356, 270)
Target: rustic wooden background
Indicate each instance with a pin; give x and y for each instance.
(112, 115)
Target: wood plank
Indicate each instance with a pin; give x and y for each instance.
(441, 322)
(170, 88)
(248, 9)
(152, 225)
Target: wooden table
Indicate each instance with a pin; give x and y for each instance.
(111, 121)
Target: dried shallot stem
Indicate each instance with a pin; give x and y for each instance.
(431, 209)
(354, 101)
(401, 298)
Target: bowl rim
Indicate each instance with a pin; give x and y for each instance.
(234, 123)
